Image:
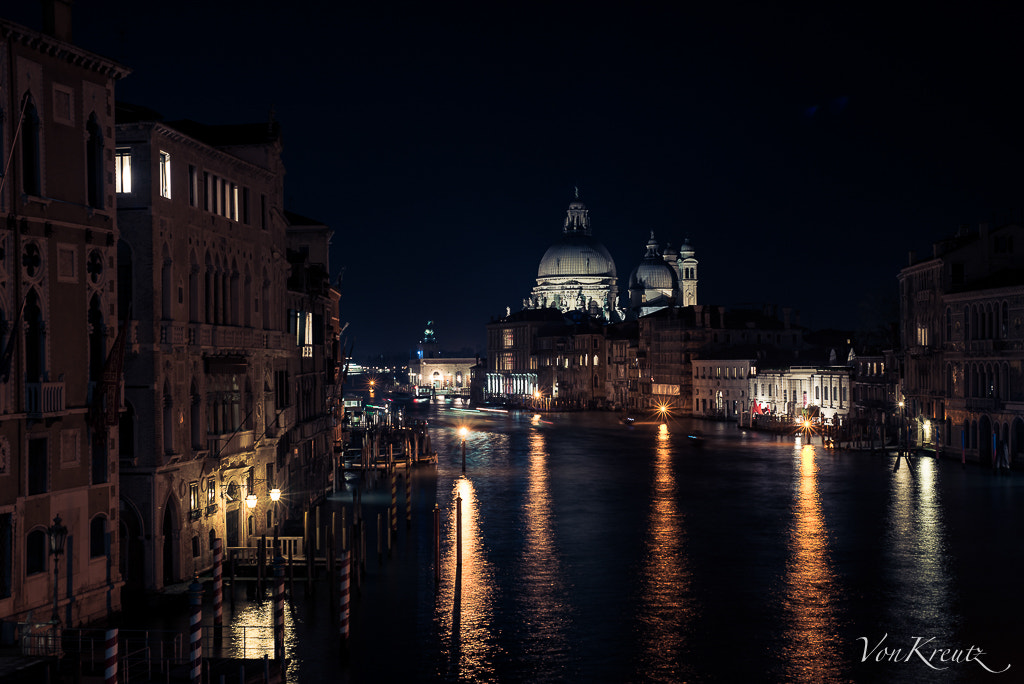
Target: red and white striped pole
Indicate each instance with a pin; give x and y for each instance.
(343, 597)
(195, 591)
(110, 658)
(279, 610)
(394, 507)
(218, 586)
(408, 495)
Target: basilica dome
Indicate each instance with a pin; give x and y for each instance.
(576, 255)
(577, 273)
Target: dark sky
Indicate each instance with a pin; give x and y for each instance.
(804, 153)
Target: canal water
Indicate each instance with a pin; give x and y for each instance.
(598, 552)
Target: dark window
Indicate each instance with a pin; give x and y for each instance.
(195, 546)
(35, 552)
(94, 163)
(6, 554)
(98, 537)
(30, 152)
(37, 466)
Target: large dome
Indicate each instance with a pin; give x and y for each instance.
(576, 255)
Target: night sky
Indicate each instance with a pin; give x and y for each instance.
(804, 153)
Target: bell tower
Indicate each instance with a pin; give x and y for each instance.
(687, 266)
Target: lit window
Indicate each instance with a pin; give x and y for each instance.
(123, 170)
(165, 174)
(307, 348)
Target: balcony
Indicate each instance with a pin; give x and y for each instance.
(44, 397)
(173, 333)
(226, 445)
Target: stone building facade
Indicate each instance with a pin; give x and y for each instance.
(962, 332)
(59, 327)
(210, 388)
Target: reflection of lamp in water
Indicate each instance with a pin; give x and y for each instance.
(462, 433)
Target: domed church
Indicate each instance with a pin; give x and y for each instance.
(577, 273)
(664, 278)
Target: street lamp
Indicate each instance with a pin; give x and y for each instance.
(58, 535)
(462, 433)
(275, 496)
(903, 428)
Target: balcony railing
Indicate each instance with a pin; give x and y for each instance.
(44, 397)
(224, 445)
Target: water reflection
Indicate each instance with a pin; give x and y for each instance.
(810, 642)
(464, 604)
(666, 611)
(921, 585)
(250, 634)
(545, 615)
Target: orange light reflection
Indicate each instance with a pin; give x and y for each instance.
(665, 614)
(464, 604)
(810, 640)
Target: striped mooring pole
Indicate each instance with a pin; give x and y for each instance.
(343, 597)
(394, 506)
(110, 657)
(218, 586)
(195, 591)
(408, 496)
(279, 610)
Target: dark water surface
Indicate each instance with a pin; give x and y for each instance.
(596, 552)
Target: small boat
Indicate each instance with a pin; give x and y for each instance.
(628, 420)
(696, 438)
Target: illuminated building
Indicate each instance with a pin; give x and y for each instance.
(313, 320)
(962, 339)
(577, 273)
(433, 373)
(210, 387)
(59, 366)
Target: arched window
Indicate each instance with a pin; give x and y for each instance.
(247, 299)
(35, 552)
(35, 339)
(195, 408)
(31, 157)
(1004, 319)
(193, 289)
(234, 306)
(208, 298)
(168, 422)
(949, 324)
(126, 432)
(166, 278)
(98, 537)
(94, 162)
(97, 340)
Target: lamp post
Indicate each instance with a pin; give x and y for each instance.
(462, 433)
(275, 496)
(58, 535)
(903, 427)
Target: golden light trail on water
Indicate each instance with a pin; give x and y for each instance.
(811, 640)
(464, 604)
(665, 613)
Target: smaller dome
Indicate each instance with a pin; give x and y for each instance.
(653, 273)
(656, 275)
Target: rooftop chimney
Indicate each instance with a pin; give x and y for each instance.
(57, 19)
